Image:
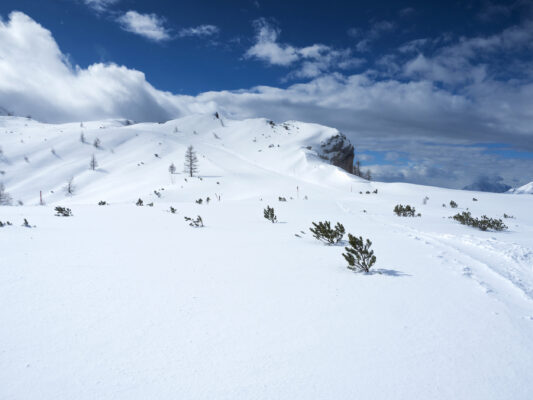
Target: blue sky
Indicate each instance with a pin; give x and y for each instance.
(406, 81)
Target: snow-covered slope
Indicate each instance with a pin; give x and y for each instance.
(526, 189)
(121, 301)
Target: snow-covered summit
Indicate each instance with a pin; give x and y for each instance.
(133, 159)
(525, 189)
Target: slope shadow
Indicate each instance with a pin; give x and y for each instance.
(388, 272)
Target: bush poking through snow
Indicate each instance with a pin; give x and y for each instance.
(507, 216)
(484, 223)
(269, 214)
(96, 143)
(453, 204)
(323, 231)
(199, 201)
(7, 223)
(474, 199)
(26, 224)
(282, 198)
(172, 210)
(139, 203)
(195, 223)
(63, 212)
(5, 197)
(358, 255)
(405, 211)
(102, 203)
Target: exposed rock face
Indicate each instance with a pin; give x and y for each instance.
(339, 151)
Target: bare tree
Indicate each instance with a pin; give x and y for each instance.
(5, 197)
(191, 161)
(70, 188)
(93, 164)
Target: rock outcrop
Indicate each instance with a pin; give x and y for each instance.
(338, 151)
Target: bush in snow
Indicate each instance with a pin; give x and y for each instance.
(172, 168)
(150, 204)
(324, 232)
(405, 211)
(63, 212)
(102, 203)
(82, 138)
(282, 198)
(7, 223)
(358, 255)
(5, 197)
(453, 204)
(195, 223)
(484, 223)
(96, 143)
(507, 216)
(425, 200)
(26, 224)
(474, 199)
(158, 194)
(269, 214)
(139, 202)
(199, 201)
(172, 210)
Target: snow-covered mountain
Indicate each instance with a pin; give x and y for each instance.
(525, 189)
(125, 301)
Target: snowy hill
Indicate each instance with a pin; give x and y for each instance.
(123, 301)
(526, 189)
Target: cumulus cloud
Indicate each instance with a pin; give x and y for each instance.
(199, 31)
(311, 61)
(149, 26)
(417, 118)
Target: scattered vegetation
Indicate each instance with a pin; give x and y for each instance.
(195, 223)
(405, 211)
(26, 224)
(282, 198)
(484, 223)
(139, 203)
(324, 232)
(474, 199)
(97, 144)
(270, 215)
(453, 204)
(172, 169)
(172, 210)
(63, 212)
(507, 216)
(358, 255)
(93, 164)
(102, 203)
(7, 223)
(199, 201)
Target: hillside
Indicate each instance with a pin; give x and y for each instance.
(123, 301)
(525, 189)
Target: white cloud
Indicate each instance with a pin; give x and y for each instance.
(199, 31)
(150, 26)
(311, 61)
(268, 49)
(372, 34)
(100, 5)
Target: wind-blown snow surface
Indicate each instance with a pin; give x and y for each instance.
(130, 302)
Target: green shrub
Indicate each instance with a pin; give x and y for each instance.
(323, 231)
(358, 255)
(484, 223)
(195, 223)
(269, 214)
(405, 211)
(453, 204)
(63, 212)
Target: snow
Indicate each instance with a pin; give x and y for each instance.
(121, 301)
(525, 189)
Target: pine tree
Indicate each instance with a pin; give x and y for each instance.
(358, 255)
(172, 168)
(269, 214)
(191, 161)
(324, 232)
(96, 143)
(93, 164)
(82, 138)
(70, 188)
